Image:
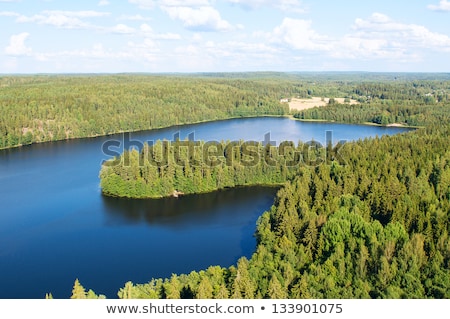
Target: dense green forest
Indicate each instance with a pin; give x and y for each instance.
(412, 103)
(48, 108)
(189, 167)
(374, 226)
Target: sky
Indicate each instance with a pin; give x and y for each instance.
(158, 36)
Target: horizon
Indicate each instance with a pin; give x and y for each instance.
(230, 73)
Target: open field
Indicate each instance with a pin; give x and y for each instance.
(303, 104)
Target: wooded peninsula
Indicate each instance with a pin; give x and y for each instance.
(191, 167)
(374, 226)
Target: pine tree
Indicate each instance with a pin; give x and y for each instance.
(172, 287)
(205, 289)
(126, 292)
(275, 290)
(78, 291)
(222, 292)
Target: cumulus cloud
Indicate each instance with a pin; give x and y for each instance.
(380, 37)
(103, 3)
(123, 29)
(201, 18)
(239, 55)
(397, 34)
(198, 15)
(17, 46)
(148, 32)
(443, 5)
(299, 35)
(61, 19)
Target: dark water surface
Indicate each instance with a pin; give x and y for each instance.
(55, 226)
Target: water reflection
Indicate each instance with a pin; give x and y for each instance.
(222, 207)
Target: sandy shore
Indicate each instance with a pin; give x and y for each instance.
(396, 125)
(303, 104)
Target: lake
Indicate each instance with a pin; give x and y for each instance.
(55, 225)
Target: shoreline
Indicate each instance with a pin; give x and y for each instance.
(143, 130)
(398, 125)
(181, 194)
(289, 116)
(306, 104)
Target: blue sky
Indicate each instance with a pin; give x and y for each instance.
(110, 36)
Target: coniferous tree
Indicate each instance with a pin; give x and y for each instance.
(78, 291)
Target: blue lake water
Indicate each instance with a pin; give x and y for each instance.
(55, 225)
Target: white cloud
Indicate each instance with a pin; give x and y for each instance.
(103, 3)
(380, 37)
(17, 46)
(230, 55)
(123, 29)
(299, 35)
(192, 57)
(197, 37)
(357, 47)
(400, 35)
(146, 51)
(239, 51)
(148, 32)
(201, 19)
(97, 52)
(284, 5)
(62, 19)
(78, 14)
(443, 5)
(167, 36)
(9, 14)
(146, 29)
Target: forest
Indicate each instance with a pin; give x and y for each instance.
(412, 103)
(374, 226)
(191, 167)
(57, 107)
